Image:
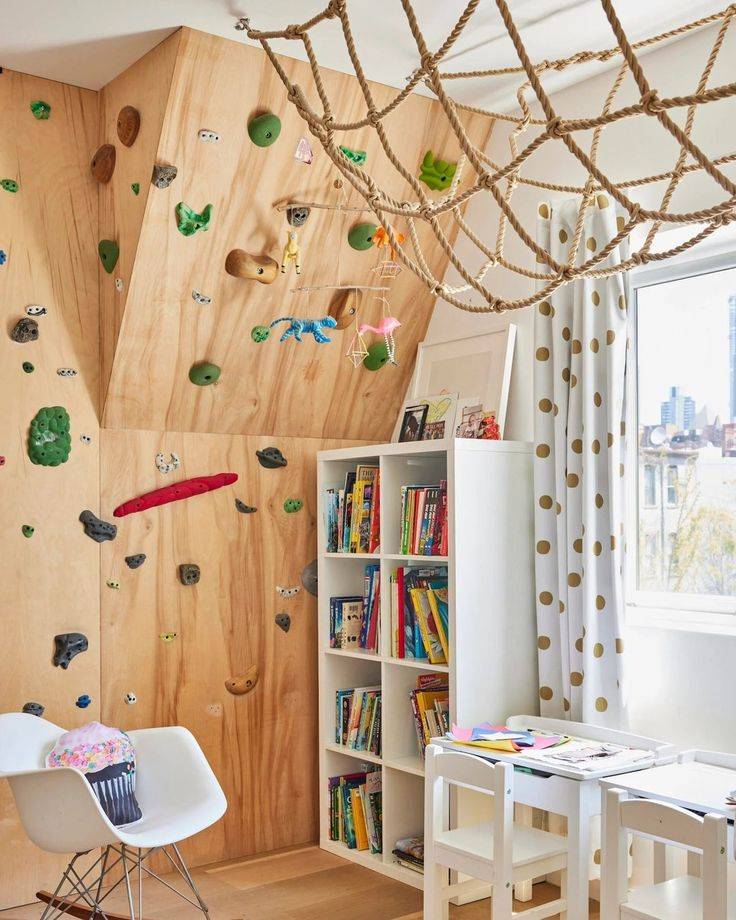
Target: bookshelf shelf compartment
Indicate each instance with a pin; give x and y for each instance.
(364, 756)
(374, 556)
(418, 663)
(354, 653)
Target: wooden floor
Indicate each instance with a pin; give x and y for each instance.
(305, 883)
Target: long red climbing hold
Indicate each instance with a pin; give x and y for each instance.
(175, 493)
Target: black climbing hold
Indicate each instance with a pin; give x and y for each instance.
(135, 562)
(243, 508)
(96, 529)
(309, 577)
(34, 709)
(271, 458)
(28, 367)
(189, 573)
(66, 646)
(283, 621)
(25, 330)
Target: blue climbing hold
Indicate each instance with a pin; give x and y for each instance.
(83, 701)
(3, 257)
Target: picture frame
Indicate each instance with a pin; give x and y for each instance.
(412, 423)
(438, 420)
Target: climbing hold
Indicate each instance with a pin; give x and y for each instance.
(2, 460)
(303, 152)
(271, 458)
(174, 493)
(135, 562)
(25, 330)
(49, 440)
(243, 508)
(163, 467)
(119, 284)
(83, 701)
(35, 309)
(3, 257)
(96, 529)
(85, 439)
(355, 156)
(135, 188)
(204, 373)
(66, 372)
(41, 110)
(241, 264)
(109, 252)
(213, 709)
(103, 163)
(300, 327)
(378, 355)
(163, 176)
(297, 215)
(188, 221)
(10, 185)
(264, 129)
(344, 307)
(283, 621)
(27, 530)
(202, 299)
(292, 505)
(260, 333)
(130, 698)
(168, 636)
(241, 685)
(129, 123)
(28, 367)
(34, 709)
(287, 592)
(68, 646)
(437, 174)
(210, 137)
(309, 577)
(189, 573)
(361, 236)
(115, 585)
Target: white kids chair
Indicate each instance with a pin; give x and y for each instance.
(497, 851)
(175, 787)
(684, 898)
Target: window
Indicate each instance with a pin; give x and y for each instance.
(683, 500)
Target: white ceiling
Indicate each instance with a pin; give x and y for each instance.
(88, 42)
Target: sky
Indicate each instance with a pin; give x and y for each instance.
(683, 341)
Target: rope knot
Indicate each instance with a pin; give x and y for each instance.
(425, 211)
(651, 103)
(487, 181)
(426, 61)
(333, 9)
(635, 212)
(438, 290)
(373, 117)
(293, 31)
(555, 127)
(636, 258)
(328, 119)
(567, 273)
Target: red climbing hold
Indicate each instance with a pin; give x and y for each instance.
(175, 493)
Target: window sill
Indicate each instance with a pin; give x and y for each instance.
(692, 621)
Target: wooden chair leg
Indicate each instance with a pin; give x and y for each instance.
(502, 901)
(436, 904)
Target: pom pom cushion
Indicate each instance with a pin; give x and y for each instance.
(106, 756)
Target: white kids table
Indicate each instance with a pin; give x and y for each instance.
(566, 789)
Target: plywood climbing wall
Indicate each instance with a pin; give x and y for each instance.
(305, 390)
(49, 583)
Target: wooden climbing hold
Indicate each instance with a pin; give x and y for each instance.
(241, 264)
(174, 493)
(103, 163)
(108, 251)
(129, 123)
(264, 129)
(239, 686)
(345, 306)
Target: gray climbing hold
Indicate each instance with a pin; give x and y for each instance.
(67, 646)
(271, 458)
(309, 577)
(243, 508)
(25, 330)
(201, 299)
(163, 176)
(135, 562)
(283, 621)
(189, 573)
(34, 709)
(297, 215)
(97, 530)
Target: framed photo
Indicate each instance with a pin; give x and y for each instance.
(412, 423)
(477, 366)
(469, 417)
(438, 420)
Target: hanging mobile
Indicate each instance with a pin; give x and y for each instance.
(387, 268)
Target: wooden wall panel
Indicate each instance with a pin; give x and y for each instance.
(220, 85)
(262, 746)
(49, 583)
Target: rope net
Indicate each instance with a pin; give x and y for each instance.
(482, 175)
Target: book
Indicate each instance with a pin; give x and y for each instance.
(423, 526)
(409, 852)
(352, 513)
(429, 632)
(359, 819)
(430, 706)
(358, 719)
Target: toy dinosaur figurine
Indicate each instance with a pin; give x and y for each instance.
(299, 327)
(291, 253)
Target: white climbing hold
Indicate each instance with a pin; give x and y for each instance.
(85, 439)
(211, 137)
(66, 372)
(287, 592)
(163, 467)
(119, 284)
(130, 698)
(36, 309)
(113, 584)
(200, 298)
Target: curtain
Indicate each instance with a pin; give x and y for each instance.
(580, 345)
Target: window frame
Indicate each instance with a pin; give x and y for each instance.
(698, 612)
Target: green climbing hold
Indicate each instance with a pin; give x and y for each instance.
(41, 110)
(292, 505)
(135, 188)
(10, 185)
(204, 373)
(264, 129)
(437, 174)
(188, 221)
(260, 333)
(28, 367)
(27, 530)
(49, 440)
(109, 252)
(361, 236)
(377, 356)
(355, 156)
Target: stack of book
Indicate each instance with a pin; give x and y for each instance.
(424, 520)
(430, 704)
(356, 816)
(352, 512)
(358, 719)
(355, 620)
(420, 614)
(409, 852)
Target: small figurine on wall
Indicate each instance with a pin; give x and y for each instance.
(291, 253)
(300, 327)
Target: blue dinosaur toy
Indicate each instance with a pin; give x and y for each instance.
(300, 327)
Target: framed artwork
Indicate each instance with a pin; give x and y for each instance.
(412, 423)
(469, 417)
(478, 366)
(438, 419)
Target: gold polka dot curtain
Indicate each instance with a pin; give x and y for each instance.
(579, 396)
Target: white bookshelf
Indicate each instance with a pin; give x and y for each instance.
(492, 668)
